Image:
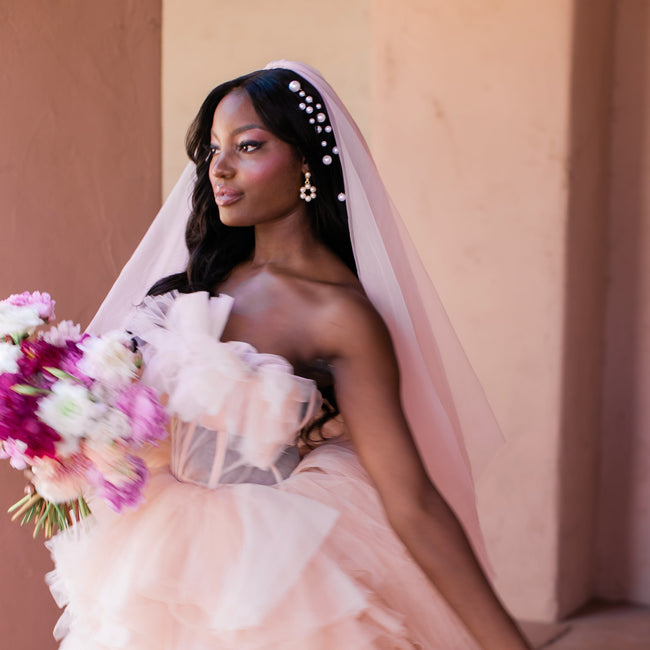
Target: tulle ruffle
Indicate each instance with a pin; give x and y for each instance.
(309, 564)
(228, 387)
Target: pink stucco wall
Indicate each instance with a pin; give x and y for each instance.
(79, 181)
(624, 527)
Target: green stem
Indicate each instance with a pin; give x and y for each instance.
(17, 505)
(41, 521)
(83, 507)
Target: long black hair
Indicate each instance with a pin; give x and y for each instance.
(214, 248)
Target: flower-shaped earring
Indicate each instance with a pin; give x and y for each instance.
(308, 191)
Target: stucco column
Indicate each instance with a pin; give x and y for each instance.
(624, 526)
(79, 182)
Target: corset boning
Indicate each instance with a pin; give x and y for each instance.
(211, 458)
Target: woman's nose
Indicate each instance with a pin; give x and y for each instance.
(221, 165)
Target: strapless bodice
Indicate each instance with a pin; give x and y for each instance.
(235, 412)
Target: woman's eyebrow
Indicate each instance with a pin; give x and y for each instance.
(241, 129)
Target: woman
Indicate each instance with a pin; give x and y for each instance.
(352, 546)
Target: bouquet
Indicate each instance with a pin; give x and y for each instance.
(72, 413)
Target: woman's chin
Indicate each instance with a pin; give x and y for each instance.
(231, 219)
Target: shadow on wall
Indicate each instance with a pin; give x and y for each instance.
(603, 301)
(624, 526)
(585, 295)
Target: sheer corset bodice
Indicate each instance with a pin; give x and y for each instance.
(211, 458)
(235, 412)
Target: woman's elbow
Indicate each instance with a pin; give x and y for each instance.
(420, 510)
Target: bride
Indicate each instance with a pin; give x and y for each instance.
(317, 493)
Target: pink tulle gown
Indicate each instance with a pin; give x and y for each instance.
(240, 545)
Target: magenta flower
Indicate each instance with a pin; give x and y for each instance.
(18, 420)
(38, 355)
(147, 416)
(70, 359)
(14, 407)
(42, 302)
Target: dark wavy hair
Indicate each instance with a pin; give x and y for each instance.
(215, 249)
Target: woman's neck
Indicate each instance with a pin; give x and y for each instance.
(286, 242)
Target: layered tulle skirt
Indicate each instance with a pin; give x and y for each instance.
(308, 564)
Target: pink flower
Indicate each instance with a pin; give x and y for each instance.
(117, 476)
(42, 302)
(64, 332)
(128, 491)
(14, 450)
(146, 414)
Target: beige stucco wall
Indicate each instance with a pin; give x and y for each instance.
(206, 42)
(79, 181)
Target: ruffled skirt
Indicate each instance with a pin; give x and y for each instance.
(308, 564)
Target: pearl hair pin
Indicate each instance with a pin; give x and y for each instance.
(307, 105)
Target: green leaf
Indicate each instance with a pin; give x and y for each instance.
(26, 389)
(59, 374)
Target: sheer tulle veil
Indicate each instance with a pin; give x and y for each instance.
(444, 403)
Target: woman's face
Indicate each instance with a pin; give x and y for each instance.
(255, 176)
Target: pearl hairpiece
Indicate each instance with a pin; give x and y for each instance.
(317, 118)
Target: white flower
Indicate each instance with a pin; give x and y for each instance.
(65, 331)
(9, 355)
(67, 410)
(108, 359)
(112, 425)
(18, 319)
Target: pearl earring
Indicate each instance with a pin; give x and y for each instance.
(308, 191)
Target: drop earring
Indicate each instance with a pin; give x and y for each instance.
(308, 191)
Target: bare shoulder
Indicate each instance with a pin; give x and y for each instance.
(350, 326)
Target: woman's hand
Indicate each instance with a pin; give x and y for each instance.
(367, 390)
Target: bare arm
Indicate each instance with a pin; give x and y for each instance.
(367, 390)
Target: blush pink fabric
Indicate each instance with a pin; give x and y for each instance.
(214, 559)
